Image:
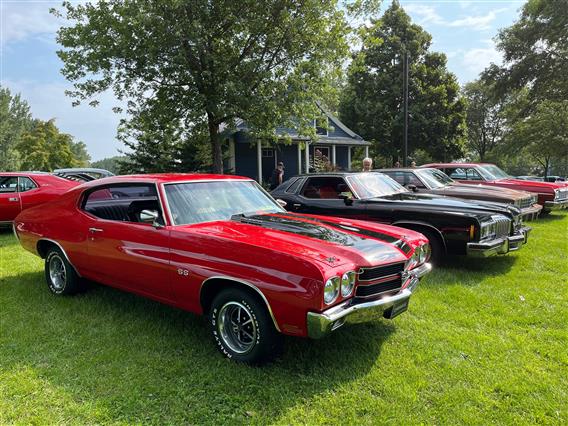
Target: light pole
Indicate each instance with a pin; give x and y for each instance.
(405, 108)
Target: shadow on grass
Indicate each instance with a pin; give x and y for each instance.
(142, 361)
(551, 217)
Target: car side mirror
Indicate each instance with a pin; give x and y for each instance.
(347, 199)
(412, 188)
(281, 202)
(152, 217)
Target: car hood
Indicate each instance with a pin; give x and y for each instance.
(533, 184)
(483, 190)
(330, 241)
(431, 202)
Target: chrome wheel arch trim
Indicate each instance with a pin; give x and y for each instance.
(60, 248)
(251, 286)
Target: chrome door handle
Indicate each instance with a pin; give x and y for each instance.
(297, 206)
(94, 230)
(14, 199)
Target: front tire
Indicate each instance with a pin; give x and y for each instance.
(242, 328)
(60, 275)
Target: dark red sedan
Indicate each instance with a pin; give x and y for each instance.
(22, 190)
(551, 196)
(221, 246)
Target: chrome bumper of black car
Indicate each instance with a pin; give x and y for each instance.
(499, 245)
(321, 324)
(555, 205)
(531, 213)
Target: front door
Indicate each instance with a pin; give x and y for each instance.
(10, 202)
(124, 249)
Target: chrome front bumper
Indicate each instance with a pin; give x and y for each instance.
(321, 324)
(499, 245)
(555, 205)
(531, 213)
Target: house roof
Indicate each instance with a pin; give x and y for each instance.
(345, 136)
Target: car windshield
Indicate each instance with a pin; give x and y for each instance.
(493, 171)
(198, 202)
(434, 178)
(371, 185)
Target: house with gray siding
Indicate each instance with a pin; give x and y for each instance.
(257, 160)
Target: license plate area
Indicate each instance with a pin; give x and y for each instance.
(396, 309)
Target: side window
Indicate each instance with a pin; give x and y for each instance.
(411, 179)
(473, 175)
(25, 184)
(457, 173)
(398, 176)
(325, 187)
(8, 184)
(294, 186)
(137, 203)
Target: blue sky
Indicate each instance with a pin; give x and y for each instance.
(463, 30)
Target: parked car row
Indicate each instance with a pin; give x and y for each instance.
(322, 249)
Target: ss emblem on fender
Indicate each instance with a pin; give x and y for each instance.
(183, 272)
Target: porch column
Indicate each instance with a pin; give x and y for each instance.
(299, 158)
(348, 158)
(259, 160)
(367, 151)
(333, 158)
(307, 155)
(232, 164)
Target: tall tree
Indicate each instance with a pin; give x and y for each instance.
(15, 119)
(45, 148)
(372, 102)
(485, 121)
(205, 63)
(534, 50)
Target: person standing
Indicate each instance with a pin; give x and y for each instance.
(277, 176)
(367, 164)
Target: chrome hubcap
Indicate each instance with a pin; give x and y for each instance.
(57, 273)
(237, 327)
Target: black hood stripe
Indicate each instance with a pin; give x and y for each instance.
(401, 244)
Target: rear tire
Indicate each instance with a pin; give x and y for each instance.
(61, 277)
(242, 328)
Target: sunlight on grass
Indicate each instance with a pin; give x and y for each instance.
(484, 341)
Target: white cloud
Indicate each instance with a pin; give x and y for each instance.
(426, 14)
(21, 20)
(477, 59)
(481, 22)
(94, 126)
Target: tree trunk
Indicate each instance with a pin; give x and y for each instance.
(216, 152)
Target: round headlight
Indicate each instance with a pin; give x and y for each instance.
(347, 283)
(331, 290)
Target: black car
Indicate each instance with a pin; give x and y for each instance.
(453, 226)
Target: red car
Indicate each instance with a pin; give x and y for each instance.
(221, 246)
(22, 190)
(551, 196)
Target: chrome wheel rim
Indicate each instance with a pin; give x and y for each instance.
(237, 327)
(57, 273)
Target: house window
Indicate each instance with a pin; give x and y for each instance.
(321, 126)
(268, 153)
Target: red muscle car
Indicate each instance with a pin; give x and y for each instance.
(222, 247)
(551, 196)
(22, 190)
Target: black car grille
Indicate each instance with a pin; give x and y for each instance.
(372, 274)
(366, 291)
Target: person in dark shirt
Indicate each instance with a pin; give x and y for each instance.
(277, 176)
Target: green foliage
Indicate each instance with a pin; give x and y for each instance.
(534, 51)
(112, 164)
(45, 148)
(205, 63)
(15, 119)
(372, 101)
(482, 343)
(485, 121)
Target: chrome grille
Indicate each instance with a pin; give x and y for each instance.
(502, 226)
(379, 280)
(526, 202)
(562, 194)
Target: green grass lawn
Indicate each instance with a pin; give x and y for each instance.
(484, 341)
